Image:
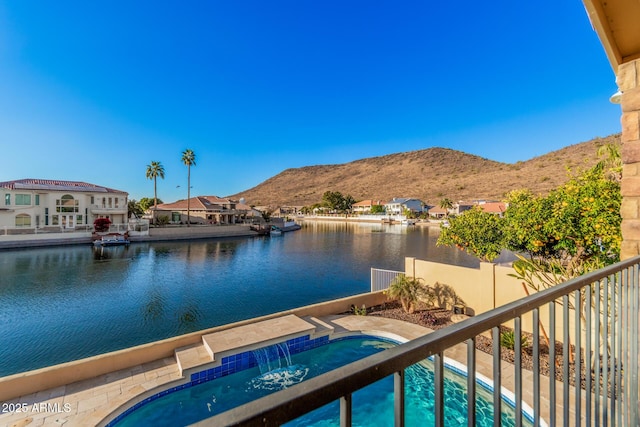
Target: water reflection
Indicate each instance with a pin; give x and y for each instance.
(65, 303)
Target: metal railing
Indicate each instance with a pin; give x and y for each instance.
(381, 279)
(607, 318)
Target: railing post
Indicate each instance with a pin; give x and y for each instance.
(438, 384)
(497, 375)
(471, 382)
(398, 398)
(345, 410)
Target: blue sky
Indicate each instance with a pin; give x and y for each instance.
(95, 91)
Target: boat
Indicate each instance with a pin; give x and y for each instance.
(112, 240)
(275, 231)
(408, 221)
(262, 231)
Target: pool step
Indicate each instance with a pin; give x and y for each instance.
(248, 337)
(191, 356)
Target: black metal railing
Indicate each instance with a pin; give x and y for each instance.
(599, 328)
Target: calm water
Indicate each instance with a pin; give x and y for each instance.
(67, 303)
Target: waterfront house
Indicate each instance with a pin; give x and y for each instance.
(285, 211)
(55, 205)
(364, 206)
(397, 206)
(202, 210)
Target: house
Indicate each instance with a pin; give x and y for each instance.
(498, 208)
(461, 206)
(202, 210)
(397, 206)
(438, 212)
(285, 211)
(364, 206)
(59, 205)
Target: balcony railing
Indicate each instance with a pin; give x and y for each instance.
(604, 326)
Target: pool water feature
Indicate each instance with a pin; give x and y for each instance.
(372, 406)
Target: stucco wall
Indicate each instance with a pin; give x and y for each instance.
(482, 290)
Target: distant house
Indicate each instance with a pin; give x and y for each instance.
(397, 206)
(461, 206)
(364, 206)
(284, 211)
(438, 212)
(55, 205)
(202, 210)
(498, 208)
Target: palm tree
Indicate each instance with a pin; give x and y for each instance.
(446, 204)
(154, 171)
(189, 159)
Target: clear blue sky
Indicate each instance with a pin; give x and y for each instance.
(94, 91)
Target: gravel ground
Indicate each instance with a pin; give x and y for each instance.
(434, 318)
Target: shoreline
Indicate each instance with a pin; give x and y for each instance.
(155, 235)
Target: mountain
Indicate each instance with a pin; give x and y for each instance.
(430, 175)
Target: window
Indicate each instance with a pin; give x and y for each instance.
(78, 219)
(7, 199)
(23, 199)
(66, 204)
(37, 200)
(23, 220)
(92, 200)
(54, 220)
(117, 203)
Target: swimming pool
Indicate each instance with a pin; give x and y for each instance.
(271, 369)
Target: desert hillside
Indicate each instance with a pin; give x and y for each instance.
(430, 175)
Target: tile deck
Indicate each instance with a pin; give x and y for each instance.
(88, 402)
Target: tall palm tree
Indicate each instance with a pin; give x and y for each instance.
(155, 170)
(189, 159)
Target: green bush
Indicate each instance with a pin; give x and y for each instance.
(508, 340)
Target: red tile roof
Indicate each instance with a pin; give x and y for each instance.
(198, 203)
(56, 185)
(494, 207)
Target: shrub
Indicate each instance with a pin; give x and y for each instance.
(508, 340)
(101, 224)
(408, 290)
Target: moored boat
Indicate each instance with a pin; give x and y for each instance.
(112, 240)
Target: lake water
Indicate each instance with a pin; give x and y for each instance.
(66, 303)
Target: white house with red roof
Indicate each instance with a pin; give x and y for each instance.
(364, 206)
(202, 210)
(58, 205)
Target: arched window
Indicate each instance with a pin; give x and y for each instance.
(66, 203)
(23, 220)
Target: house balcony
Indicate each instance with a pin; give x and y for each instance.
(598, 343)
(106, 210)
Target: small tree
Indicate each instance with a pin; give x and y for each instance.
(377, 209)
(408, 290)
(133, 207)
(101, 224)
(147, 202)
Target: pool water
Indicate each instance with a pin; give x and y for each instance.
(372, 406)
